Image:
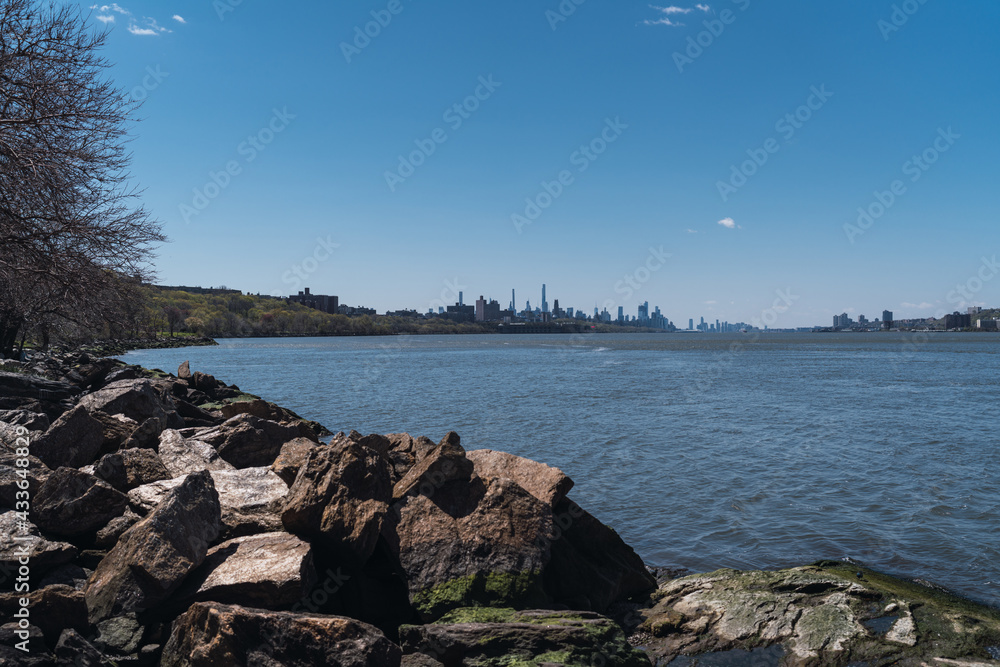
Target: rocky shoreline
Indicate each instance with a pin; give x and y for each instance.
(177, 520)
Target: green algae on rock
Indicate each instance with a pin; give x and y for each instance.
(830, 613)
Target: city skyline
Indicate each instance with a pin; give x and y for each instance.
(474, 143)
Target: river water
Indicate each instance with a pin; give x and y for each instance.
(702, 451)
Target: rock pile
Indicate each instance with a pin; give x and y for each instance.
(176, 520)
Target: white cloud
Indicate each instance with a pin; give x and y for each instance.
(923, 305)
(673, 10)
(114, 7)
(109, 18)
(711, 303)
(728, 223)
(704, 8)
(146, 27)
(150, 29)
(178, 18)
(692, 231)
(142, 32)
(663, 22)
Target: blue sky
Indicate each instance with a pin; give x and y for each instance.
(737, 137)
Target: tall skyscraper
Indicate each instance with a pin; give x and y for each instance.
(621, 313)
(513, 302)
(545, 304)
(461, 299)
(691, 324)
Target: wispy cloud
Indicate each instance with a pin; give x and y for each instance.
(711, 303)
(704, 8)
(692, 231)
(673, 10)
(729, 223)
(144, 27)
(923, 305)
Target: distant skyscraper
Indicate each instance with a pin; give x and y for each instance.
(461, 299)
(691, 324)
(545, 304)
(513, 302)
(621, 313)
(886, 319)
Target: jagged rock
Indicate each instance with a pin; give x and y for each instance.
(120, 635)
(108, 536)
(147, 434)
(184, 371)
(591, 566)
(248, 490)
(340, 496)
(11, 634)
(35, 474)
(401, 449)
(293, 456)
(269, 571)
(25, 540)
(21, 390)
(471, 544)
(504, 636)
(824, 614)
(548, 484)
(74, 440)
(71, 502)
(203, 382)
(445, 463)
(256, 407)
(129, 468)
(52, 609)
(138, 399)
(195, 416)
(117, 429)
(121, 374)
(181, 456)
(74, 649)
(12, 437)
(152, 558)
(212, 634)
(33, 421)
(247, 441)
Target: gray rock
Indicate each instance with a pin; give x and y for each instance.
(75, 650)
(121, 635)
(138, 399)
(12, 477)
(70, 503)
(108, 536)
(182, 456)
(33, 421)
(184, 371)
(504, 636)
(74, 440)
(153, 557)
(269, 571)
(25, 539)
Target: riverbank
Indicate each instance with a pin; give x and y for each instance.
(255, 538)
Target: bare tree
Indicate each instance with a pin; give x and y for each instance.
(73, 237)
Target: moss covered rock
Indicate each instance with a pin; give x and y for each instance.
(830, 613)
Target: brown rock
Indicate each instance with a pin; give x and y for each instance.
(446, 462)
(184, 371)
(74, 440)
(129, 468)
(10, 477)
(247, 441)
(212, 634)
(52, 609)
(340, 496)
(152, 558)
(138, 399)
(71, 502)
(471, 544)
(270, 571)
(117, 429)
(548, 484)
(293, 456)
(591, 566)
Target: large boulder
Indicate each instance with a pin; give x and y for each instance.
(154, 556)
(138, 399)
(181, 455)
(19, 390)
(591, 566)
(26, 541)
(491, 636)
(247, 441)
(830, 613)
(251, 499)
(33, 421)
(71, 502)
(270, 571)
(469, 543)
(129, 468)
(74, 440)
(548, 484)
(212, 634)
(117, 430)
(401, 449)
(340, 497)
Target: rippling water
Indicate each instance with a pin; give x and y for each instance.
(702, 451)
